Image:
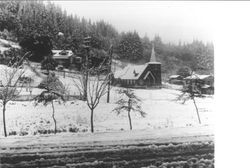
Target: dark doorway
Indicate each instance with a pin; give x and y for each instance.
(149, 79)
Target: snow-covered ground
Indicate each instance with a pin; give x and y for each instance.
(5, 45)
(184, 134)
(159, 104)
(163, 111)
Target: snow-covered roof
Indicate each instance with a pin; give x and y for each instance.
(130, 72)
(196, 76)
(62, 54)
(153, 58)
(153, 63)
(174, 76)
(206, 86)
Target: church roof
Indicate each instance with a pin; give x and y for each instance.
(131, 72)
(153, 58)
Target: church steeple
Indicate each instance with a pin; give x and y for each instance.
(152, 58)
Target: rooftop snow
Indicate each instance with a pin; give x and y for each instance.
(196, 76)
(130, 72)
(153, 63)
(174, 76)
(62, 54)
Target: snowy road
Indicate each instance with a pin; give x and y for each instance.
(114, 149)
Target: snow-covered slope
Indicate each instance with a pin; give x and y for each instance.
(5, 45)
(6, 71)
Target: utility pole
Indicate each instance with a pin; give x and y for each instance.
(110, 64)
(86, 46)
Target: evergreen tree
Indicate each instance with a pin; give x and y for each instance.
(53, 90)
(129, 104)
(130, 46)
(40, 46)
(29, 19)
(192, 90)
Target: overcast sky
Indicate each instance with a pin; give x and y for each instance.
(172, 21)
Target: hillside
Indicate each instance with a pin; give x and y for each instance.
(25, 22)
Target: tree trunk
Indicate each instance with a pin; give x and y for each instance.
(53, 115)
(4, 122)
(130, 122)
(108, 93)
(85, 96)
(91, 120)
(110, 64)
(197, 111)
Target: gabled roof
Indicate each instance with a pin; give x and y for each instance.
(131, 72)
(62, 54)
(153, 58)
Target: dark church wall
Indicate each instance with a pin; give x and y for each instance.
(155, 69)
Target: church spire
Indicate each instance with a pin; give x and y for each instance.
(153, 59)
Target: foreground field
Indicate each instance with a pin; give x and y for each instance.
(23, 118)
(168, 137)
(179, 147)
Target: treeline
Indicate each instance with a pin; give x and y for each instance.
(30, 19)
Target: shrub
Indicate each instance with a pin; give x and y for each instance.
(23, 133)
(13, 133)
(73, 129)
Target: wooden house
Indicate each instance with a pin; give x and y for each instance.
(203, 79)
(146, 75)
(66, 58)
(206, 82)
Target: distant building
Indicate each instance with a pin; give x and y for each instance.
(204, 79)
(147, 75)
(66, 58)
(206, 82)
(176, 79)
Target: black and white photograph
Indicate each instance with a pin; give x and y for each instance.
(107, 84)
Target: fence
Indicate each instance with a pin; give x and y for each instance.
(71, 74)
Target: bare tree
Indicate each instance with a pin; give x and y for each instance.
(96, 88)
(54, 90)
(110, 71)
(191, 90)
(11, 88)
(128, 104)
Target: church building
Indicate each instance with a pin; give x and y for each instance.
(140, 76)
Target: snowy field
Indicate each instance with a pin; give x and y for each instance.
(74, 116)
